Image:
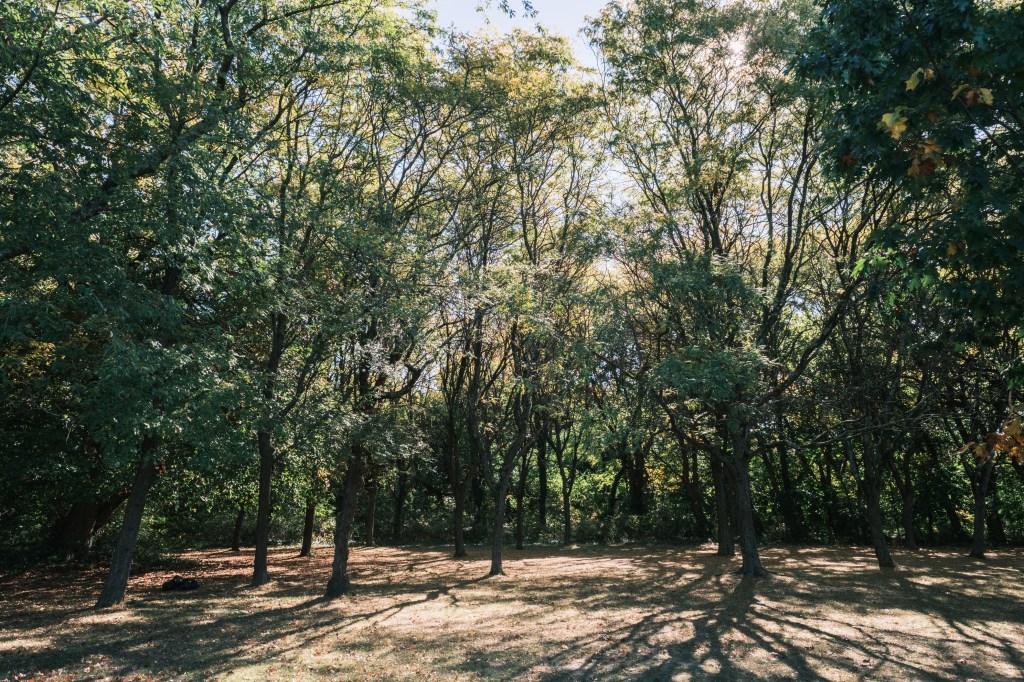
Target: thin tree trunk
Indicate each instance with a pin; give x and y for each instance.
(542, 482)
(499, 529)
(460, 520)
(792, 514)
(401, 491)
(346, 498)
(371, 513)
(236, 535)
(260, 574)
(520, 496)
(609, 514)
(909, 533)
(307, 528)
(121, 563)
(566, 516)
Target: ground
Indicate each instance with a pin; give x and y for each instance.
(558, 614)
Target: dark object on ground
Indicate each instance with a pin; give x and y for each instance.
(179, 583)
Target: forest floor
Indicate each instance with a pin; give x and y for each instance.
(573, 614)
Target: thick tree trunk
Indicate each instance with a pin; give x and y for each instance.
(499, 529)
(236, 535)
(979, 487)
(121, 563)
(72, 532)
(307, 528)
(745, 514)
(260, 574)
(739, 467)
(636, 481)
(726, 546)
(345, 498)
(873, 492)
(994, 517)
(978, 538)
(371, 513)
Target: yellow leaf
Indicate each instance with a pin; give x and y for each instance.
(980, 452)
(929, 74)
(894, 123)
(960, 88)
(952, 249)
(986, 96)
(931, 147)
(915, 79)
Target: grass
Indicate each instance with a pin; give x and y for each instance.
(573, 614)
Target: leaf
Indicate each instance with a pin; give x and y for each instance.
(921, 166)
(986, 96)
(958, 89)
(915, 79)
(894, 123)
(980, 452)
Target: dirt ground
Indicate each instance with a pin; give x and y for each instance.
(572, 614)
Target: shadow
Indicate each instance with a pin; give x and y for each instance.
(648, 613)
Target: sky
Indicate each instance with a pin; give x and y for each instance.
(560, 16)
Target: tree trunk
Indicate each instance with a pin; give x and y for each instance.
(993, 517)
(909, 533)
(72, 532)
(307, 528)
(566, 516)
(401, 492)
(499, 529)
(636, 480)
(979, 487)
(345, 500)
(739, 467)
(121, 563)
(460, 520)
(873, 492)
(371, 513)
(236, 535)
(726, 546)
(792, 514)
(520, 496)
(610, 511)
(260, 574)
(693, 496)
(745, 515)
(542, 483)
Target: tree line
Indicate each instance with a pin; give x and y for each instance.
(758, 276)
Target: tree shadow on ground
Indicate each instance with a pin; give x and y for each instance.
(634, 613)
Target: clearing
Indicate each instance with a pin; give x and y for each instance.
(560, 614)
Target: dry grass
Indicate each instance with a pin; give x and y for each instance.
(621, 613)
